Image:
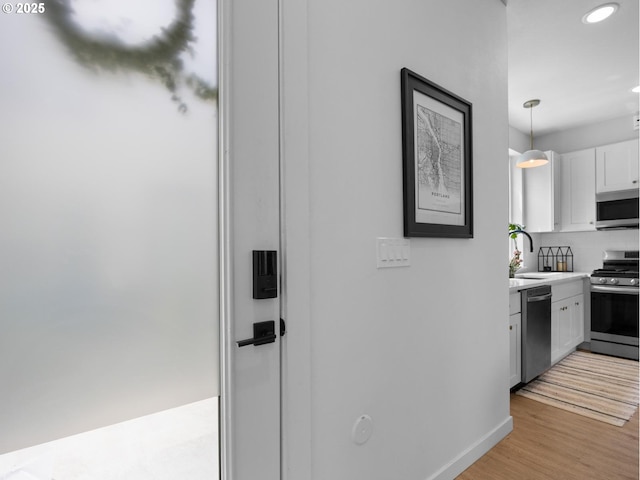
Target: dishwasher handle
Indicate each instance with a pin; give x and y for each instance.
(539, 298)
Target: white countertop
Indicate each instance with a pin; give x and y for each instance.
(542, 278)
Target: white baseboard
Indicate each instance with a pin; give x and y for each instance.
(474, 452)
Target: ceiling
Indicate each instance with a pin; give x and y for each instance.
(582, 74)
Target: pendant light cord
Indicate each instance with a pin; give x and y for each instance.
(531, 125)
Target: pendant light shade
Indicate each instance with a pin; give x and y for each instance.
(532, 158)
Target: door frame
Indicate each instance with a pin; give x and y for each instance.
(295, 241)
(225, 336)
(237, 412)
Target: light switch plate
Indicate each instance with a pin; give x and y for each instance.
(393, 252)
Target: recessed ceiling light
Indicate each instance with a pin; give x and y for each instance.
(600, 13)
(636, 90)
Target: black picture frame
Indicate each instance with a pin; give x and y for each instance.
(437, 160)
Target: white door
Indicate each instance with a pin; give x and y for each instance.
(250, 113)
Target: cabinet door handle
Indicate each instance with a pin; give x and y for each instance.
(510, 327)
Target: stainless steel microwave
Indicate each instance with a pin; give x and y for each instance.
(617, 209)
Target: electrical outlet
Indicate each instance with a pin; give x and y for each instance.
(362, 430)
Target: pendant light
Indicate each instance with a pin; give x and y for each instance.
(532, 158)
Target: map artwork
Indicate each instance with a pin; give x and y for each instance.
(439, 162)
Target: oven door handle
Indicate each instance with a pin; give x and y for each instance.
(607, 289)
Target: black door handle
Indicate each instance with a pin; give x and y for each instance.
(263, 333)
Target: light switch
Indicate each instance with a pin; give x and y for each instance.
(393, 252)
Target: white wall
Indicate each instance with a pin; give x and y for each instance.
(423, 349)
(587, 247)
(593, 135)
(573, 139)
(519, 141)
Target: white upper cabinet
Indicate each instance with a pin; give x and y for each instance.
(578, 191)
(560, 196)
(540, 196)
(617, 166)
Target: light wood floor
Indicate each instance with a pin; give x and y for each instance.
(549, 443)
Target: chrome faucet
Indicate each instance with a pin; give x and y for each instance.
(528, 236)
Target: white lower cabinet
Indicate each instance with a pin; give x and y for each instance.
(515, 340)
(567, 325)
(560, 325)
(567, 319)
(515, 350)
(577, 320)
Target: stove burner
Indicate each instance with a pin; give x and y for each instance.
(618, 268)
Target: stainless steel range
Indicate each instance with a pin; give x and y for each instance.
(614, 305)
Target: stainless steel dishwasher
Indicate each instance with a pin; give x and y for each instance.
(536, 331)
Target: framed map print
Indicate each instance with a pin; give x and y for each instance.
(437, 160)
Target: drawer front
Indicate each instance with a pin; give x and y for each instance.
(566, 290)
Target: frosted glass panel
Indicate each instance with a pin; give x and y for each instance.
(108, 268)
